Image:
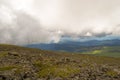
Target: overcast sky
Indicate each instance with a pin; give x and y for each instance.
(45, 21)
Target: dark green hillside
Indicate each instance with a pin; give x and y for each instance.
(20, 63)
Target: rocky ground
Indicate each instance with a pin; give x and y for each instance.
(19, 63)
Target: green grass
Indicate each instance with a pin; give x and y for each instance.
(57, 71)
(50, 69)
(113, 51)
(3, 54)
(6, 68)
(112, 73)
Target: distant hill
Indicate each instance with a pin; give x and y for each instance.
(21, 63)
(73, 46)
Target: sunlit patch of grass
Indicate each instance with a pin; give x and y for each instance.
(58, 71)
(3, 53)
(6, 68)
(49, 69)
(96, 51)
(46, 71)
(112, 73)
(66, 71)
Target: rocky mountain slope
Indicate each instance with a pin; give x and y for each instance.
(20, 63)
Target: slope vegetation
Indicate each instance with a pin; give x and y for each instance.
(20, 63)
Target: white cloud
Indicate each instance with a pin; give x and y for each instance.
(36, 21)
